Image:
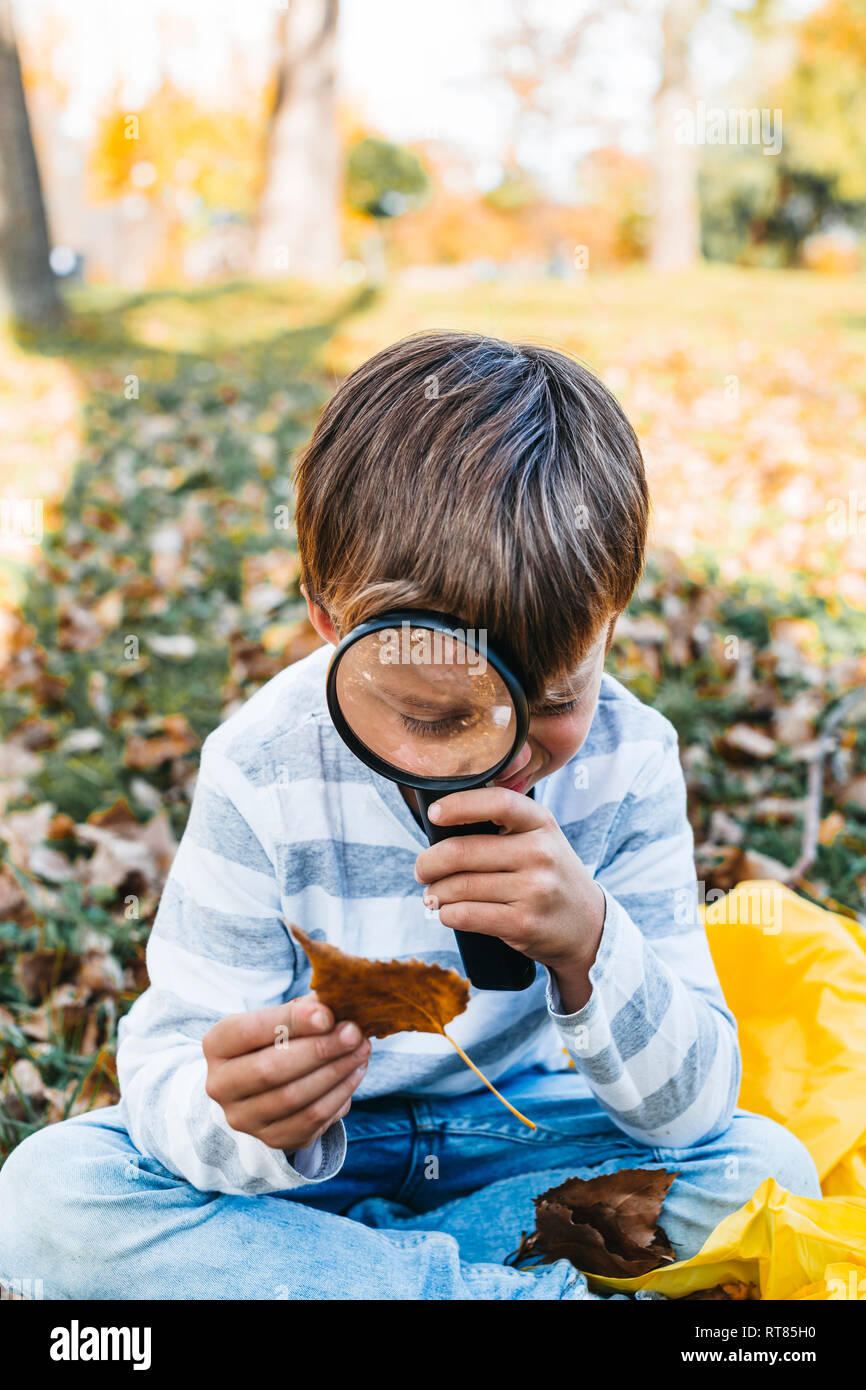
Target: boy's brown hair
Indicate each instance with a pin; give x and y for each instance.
(498, 482)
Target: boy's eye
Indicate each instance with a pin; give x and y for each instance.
(428, 727)
(551, 711)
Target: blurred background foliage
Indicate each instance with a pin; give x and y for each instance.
(807, 205)
(181, 193)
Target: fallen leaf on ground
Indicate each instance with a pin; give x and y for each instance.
(754, 743)
(14, 906)
(124, 846)
(390, 996)
(173, 740)
(830, 827)
(38, 972)
(79, 629)
(24, 1094)
(606, 1225)
(20, 831)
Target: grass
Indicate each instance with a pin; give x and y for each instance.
(745, 387)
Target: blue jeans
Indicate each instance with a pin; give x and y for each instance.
(433, 1195)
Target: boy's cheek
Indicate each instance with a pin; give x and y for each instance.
(562, 738)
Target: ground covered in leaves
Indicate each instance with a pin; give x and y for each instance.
(164, 594)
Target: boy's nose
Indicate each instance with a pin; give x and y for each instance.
(516, 765)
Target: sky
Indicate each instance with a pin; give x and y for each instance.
(412, 70)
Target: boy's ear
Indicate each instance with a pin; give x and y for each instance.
(320, 620)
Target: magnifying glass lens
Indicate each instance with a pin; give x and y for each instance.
(423, 706)
(426, 702)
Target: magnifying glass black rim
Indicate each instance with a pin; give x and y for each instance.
(439, 622)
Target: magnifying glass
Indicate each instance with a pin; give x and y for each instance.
(427, 702)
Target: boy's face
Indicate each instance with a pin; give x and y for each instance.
(558, 728)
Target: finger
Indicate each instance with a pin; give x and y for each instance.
(473, 854)
(472, 887)
(239, 1034)
(487, 919)
(318, 1116)
(239, 1078)
(271, 1107)
(512, 810)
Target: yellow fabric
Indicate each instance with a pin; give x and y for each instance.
(794, 976)
(781, 1244)
(840, 1281)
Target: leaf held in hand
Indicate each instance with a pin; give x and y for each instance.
(384, 996)
(390, 996)
(606, 1225)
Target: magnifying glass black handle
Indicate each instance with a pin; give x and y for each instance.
(489, 963)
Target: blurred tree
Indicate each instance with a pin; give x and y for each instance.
(384, 180)
(615, 218)
(515, 191)
(824, 101)
(760, 211)
(197, 168)
(297, 229)
(30, 287)
(675, 241)
(179, 147)
(534, 60)
(739, 205)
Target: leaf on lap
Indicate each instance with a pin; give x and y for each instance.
(606, 1225)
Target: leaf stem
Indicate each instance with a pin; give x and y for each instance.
(489, 1086)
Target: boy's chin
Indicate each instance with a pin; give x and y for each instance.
(521, 782)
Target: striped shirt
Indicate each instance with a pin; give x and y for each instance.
(286, 825)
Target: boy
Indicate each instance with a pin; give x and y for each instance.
(502, 484)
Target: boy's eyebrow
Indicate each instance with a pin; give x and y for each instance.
(550, 701)
(576, 686)
(563, 694)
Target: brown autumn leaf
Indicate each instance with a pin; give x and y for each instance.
(23, 1093)
(606, 1225)
(719, 866)
(117, 816)
(35, 734)
(79, 628)
(250, 661)
(174, 739)
(830, 827)
(384, 996)
(748, 741)
(38, 972)
(61, 827)
(100, 1086)
(14, 906)
(390, 996)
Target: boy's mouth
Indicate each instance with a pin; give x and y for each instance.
(514, 784)
(518, 781)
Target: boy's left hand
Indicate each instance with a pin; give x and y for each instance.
(525, 885)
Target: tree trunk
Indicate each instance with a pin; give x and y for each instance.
(297, 230)
(30, 289)
(676, 237)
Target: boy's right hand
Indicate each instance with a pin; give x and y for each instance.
(284, 1074)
